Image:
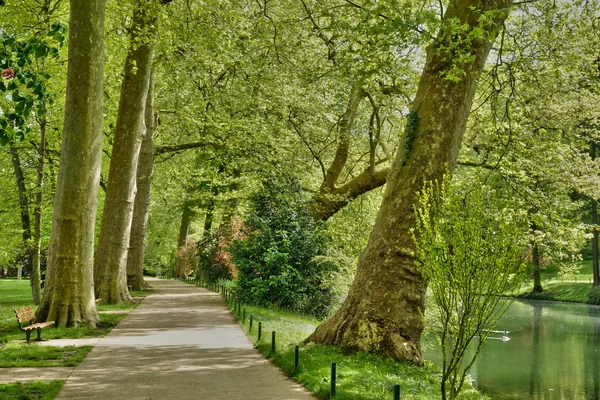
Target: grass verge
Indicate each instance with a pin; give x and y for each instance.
(30, 390)
(17, 355)
(360, 376)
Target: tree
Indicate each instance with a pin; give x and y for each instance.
(382, 313)
(141, 208)
(471, 255)
(69, 294)
(110, 265)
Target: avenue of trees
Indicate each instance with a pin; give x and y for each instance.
(283, 144)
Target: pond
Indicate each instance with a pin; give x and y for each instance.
(553, 353)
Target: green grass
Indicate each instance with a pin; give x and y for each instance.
(561, 291)
(17, 355)
(571, 288)
(359, 377)
(14, 294)
(30, 390)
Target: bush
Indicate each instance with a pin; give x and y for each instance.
(278, 262)
(215, 261)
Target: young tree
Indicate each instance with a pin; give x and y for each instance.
(470, 253)
(69, 294)
(382, 313)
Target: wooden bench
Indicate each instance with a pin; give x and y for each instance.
(26, 314)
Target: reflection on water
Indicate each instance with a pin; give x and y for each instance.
(553, 354)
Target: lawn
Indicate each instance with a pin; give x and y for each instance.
(14, 294)
(571, 288)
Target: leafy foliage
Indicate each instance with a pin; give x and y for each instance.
(21, 83)
(276, 263)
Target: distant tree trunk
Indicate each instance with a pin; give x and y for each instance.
(234, 201)
(25, 257)
(69, 291)
(182, 241)
(595, 268)
(36, 279)
(383, 312)
(110, 266)
(141, 208)
(208, 220)
(595, 243)
(537, 269)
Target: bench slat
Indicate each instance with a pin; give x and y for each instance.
(38, 325)
(26, 318)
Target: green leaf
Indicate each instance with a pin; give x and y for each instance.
(2, 87)
(3, 138)
(20, 107)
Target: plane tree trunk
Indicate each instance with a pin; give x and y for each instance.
(69, 293)
(383, 312)
(110, 266)
(141, 207)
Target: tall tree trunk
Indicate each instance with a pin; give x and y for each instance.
(208, 220)
(595, 243)
(36, 287)
(110, 266)
(595, 268)
(182, 240)
(383, 312)
(69, 294)
(141, 207)
(25, 257)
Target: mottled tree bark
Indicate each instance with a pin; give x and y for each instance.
(69, 295)
(383, 312)
(110, 265)
(141, 207)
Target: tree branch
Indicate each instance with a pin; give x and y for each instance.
(185, 146)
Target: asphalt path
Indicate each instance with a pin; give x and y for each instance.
(180, 343)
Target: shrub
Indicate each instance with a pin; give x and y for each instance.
(277, 262)
(215, 261)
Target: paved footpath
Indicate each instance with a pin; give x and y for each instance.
(180, 343)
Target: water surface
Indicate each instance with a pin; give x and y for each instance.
(553, 353)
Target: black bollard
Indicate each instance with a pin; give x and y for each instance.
(296, 359)
(244, 316)
(250, 328)
(332, 382)
(259, 330)
(273, 343)
(396, 392)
